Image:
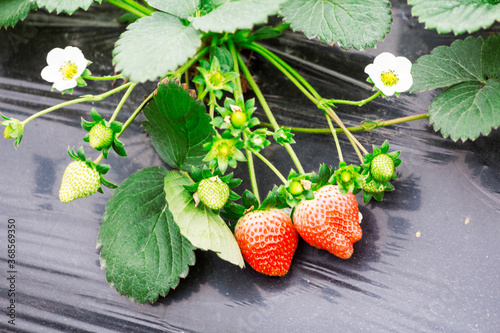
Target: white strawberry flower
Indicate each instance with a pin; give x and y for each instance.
(390, 74)
(65, 66)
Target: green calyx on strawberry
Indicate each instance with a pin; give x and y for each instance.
(82, 177)
(378, 169)
(215, 77)
(257, 140)
(235, 117)
(297, 188)
(330, 221)
(224, 152)
(103, 135)
(267, 240)
(348, 178)
(14, 129)
(212, 189)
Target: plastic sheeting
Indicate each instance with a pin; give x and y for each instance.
(446, 280)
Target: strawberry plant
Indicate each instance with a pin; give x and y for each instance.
(203, 123)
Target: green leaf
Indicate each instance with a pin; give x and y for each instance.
(233, 15)
(467, 110)
(490, 57)
(141, 245)
(180, 8)
(155, 45)
(13, 11)
(456, 16)
(67, 6)
(223, 56)
(471, 68)
(351, 23)
(449, 65)
(178, 126)
(204, 228)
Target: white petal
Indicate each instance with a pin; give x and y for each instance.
(388, 91)
(372, 70)
(384, 60)
(403, 64)
(55, 57)
(64, 84)
(76, 56)
(51, 74)
(405, 83)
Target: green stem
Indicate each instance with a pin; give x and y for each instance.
(356, 149)
(239, 91)
(283, 65)
(135, 114)
(359, 128)
(358, 103)
(285, 70)
(339, 122)
(127, 7)
(334, 133)
(251, 171)
(122, 101)
(86, 98)
(103, 78)
(212, 105)
(179, 71)
(270, 165)
(268, 112)
(202, 95)
(318, 101)
(139, 7)
(99, 158)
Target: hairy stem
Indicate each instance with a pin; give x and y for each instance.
(139, 7)
(127, 7)
(268, 112)
(360, 128)
(251, 171)
(238, 92)
(295, 77)
(179, 71)
(135, 114)
(270, 165)
(334, 133)
(358, 103)
(122, 102)
(103, 78)
(86, 98)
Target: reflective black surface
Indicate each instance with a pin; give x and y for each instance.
(446, 280)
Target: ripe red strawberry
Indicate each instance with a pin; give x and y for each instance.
(330, 221)
(267, 240)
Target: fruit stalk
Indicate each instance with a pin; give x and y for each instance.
(268, 112)
(86, 98)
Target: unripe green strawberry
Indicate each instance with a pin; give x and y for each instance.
(213, 192)
(100, 136)
(373, 187)
(382, 168)
(295, 188)
(238, 119)
(79, 180)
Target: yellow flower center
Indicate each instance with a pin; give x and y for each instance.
(68, 70)
(389, 78)
(217, 79)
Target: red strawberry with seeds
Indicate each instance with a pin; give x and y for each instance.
(267, 240)
(330, 221)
